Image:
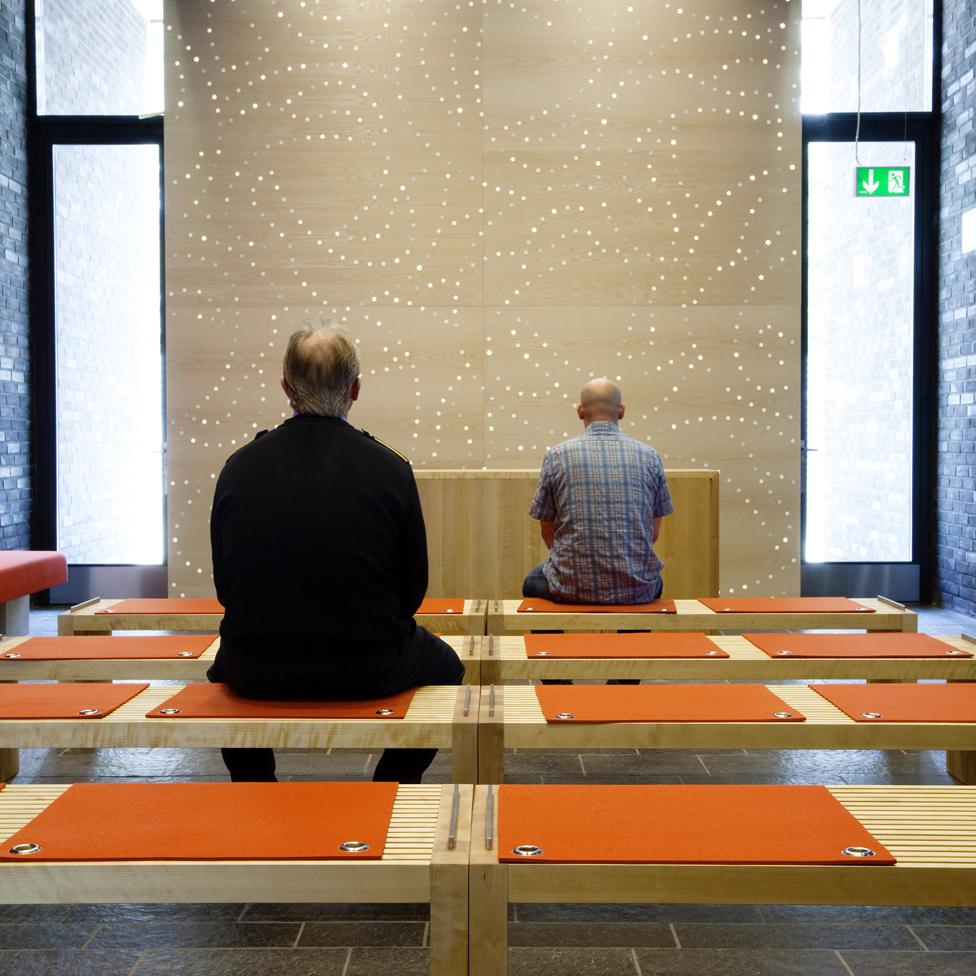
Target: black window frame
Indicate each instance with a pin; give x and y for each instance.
(911, 581)
(44, 132)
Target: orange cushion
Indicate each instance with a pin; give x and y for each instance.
(903, 703)
(209, 822)
(441, 606)
(105, 648)
(680, 825)
(217, 701)
(25, 572)
(663, 703)
(81, 699)
(167, 605)
(536, 605)
(783, 604)
(853, 645)
(620, 646)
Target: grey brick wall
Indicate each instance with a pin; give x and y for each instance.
(956, 465)
(15, 469)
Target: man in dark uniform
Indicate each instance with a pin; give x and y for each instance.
(320, 559)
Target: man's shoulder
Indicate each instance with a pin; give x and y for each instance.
(385, 448)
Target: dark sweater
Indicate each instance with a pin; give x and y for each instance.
(319, 558)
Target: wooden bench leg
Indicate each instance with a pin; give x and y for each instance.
(488, 926)
(961, 766)
(449, 920)
(491, 738)
(9, 758)
(9, 764)
(487, 892)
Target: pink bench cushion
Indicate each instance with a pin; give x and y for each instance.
(23, 573)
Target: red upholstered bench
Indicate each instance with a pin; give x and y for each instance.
(23, 573)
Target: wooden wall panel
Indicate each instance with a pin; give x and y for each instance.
(481, 540)
(499, 201)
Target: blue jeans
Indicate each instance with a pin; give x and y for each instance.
(535, 584)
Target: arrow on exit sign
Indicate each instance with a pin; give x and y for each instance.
(881, 181)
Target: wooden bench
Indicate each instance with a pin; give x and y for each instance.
(439, 717)
(469, 650)
(691, 615)
(504, 660)
(89, 618)
(511, 717)
(426, 860)
(931, 830)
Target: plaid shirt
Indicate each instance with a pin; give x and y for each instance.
(603, 491)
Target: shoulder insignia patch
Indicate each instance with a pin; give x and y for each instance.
(392, 450)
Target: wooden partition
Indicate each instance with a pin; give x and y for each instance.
(498, 201)
(482, 541)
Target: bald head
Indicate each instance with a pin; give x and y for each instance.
(600, 399)
(321, 371)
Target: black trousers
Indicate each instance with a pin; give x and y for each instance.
(426, 660)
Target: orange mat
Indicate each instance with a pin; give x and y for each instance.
(573, 704)
(217, 701)
(441, 606)
(534, 605)
(106, 648)
(166, 605)
(209, 822)
(784, 604)
(853, 645)
(680, 825)
(903, 703)
(620, 646)
(81, 699)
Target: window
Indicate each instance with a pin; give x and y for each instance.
(96, 219)
(868, 303)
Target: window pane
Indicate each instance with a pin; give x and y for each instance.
(860, 328)
(99, 57)
(108, 358)
(896, 56)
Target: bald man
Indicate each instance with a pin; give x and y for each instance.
(600, 501)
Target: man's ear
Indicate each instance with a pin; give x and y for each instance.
(620, 416)
(286, 386)
(356, 387)
(579, 411)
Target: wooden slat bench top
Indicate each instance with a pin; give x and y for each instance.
(504, 618)
(826, 727)
(504, 660)
(931, 831)
(429, 719)
(90, 618)
(468, 649)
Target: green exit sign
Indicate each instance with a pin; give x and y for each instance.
(881, 181)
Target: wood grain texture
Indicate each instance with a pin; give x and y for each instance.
(504, 618)
(499, 201)
(507, 662)
(931, 831)
(481, 540)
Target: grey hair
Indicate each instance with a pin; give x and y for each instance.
(321, 367)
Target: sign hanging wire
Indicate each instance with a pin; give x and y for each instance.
(857, 129)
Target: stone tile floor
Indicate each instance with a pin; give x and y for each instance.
(546, 940)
